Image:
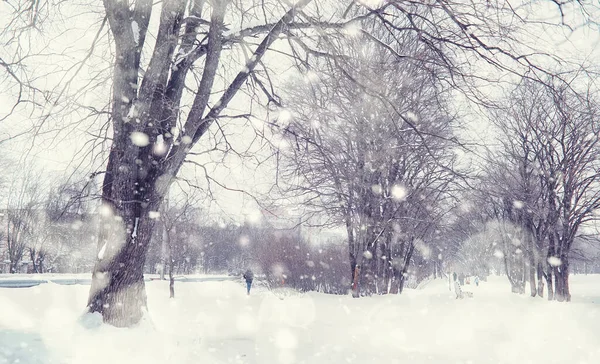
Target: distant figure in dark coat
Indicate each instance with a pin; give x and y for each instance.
(248, 276)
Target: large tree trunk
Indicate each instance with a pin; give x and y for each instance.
(129, 195)
(118, 290)
(143, 111)
(561, 277)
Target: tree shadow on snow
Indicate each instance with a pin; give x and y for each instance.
(22, 348)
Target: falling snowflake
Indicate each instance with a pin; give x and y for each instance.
(518, 204)
(398, 193)
(154, 214)
(376, 189)
(105, 210)
(186, 139)
(244, 240)
(412, 117)
(284, 117)
(139, 139)
(352, 29)
(554, 261)
(423, 249)
(160, 148)
(498, 254)
(367, 254)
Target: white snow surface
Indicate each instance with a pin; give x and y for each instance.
(215, 322)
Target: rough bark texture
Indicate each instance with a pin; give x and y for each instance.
(137, 176)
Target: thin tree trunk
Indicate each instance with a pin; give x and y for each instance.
(549, 281)
(404, 271)
(171, 282)
(565, 277)
(550, 268)
(355, 282)
(532, 266)
(171, 265)
(540, 279)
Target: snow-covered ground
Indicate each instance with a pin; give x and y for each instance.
(215, 322)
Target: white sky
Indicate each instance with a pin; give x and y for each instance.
(58, 153)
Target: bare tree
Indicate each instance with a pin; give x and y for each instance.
(174, 214)
(368, 148)
(556, 131)
(22, 210)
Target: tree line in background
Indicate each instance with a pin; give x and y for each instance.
(54, 230)
(46, 228)
(539, 194)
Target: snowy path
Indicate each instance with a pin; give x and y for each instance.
(215, 322)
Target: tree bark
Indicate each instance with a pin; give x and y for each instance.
(118, 290)
(355, 282)
(540, 280)
(136, 177)
(561, 277)
(532, 266)
(171, 265)
(171, 282)
(549, 277)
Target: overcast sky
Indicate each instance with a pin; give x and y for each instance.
(66, 41)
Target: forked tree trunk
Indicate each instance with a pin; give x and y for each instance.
(143, 112)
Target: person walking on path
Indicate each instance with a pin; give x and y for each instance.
(248, 276)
